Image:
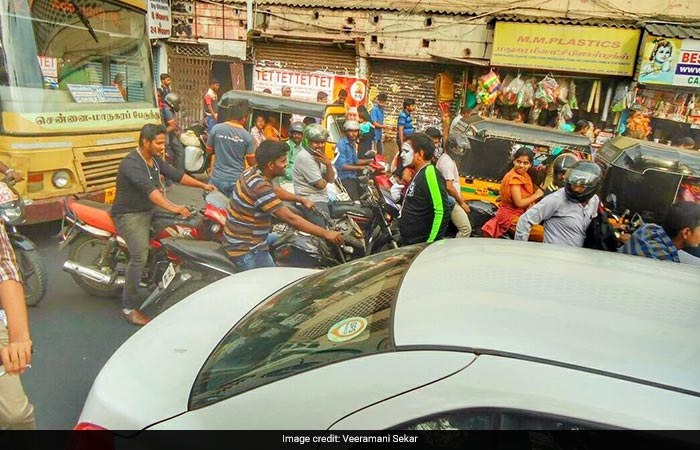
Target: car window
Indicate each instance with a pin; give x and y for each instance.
(490, 419)
(334, 315)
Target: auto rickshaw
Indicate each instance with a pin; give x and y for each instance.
(483, 166)
(645, 178)
(288, 110)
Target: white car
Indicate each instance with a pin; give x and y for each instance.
(460, 334)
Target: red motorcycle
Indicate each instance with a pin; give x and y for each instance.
(98, 256)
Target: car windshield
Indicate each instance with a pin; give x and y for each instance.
(64, 56)
(340, 313)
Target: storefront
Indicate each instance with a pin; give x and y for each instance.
(307, 67)
(557, 74)
(435, 88)
(667, 97)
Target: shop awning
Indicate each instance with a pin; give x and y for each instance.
(470, 61)
(605, 23)
(673, 30)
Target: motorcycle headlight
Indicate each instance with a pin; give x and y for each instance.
(60, 178)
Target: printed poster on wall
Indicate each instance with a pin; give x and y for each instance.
(670, 61)
(159, 19)
(566, 48)
(306, 86)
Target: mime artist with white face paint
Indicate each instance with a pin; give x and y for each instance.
(424, 216)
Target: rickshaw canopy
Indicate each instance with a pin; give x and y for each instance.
(484, 128)
(642, 156)
(276, 103)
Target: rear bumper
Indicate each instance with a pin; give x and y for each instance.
(52, 208)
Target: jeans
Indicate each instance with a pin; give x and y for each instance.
(352, 185)
(209, 121)
(379, 146)
(254, 260)
(224, 188)
(135, 228)
(16, 413)
(314, 217)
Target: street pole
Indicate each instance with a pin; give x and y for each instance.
(249, 14)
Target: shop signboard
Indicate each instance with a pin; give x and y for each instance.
(306, 85)
(565, 48)
(670, 61)
(159, 19)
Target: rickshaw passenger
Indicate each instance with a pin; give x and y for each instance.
(568, 212)
(517, 194)
(681, 229)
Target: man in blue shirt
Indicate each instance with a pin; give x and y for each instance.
(346, 162)
(377, 118)
(405, 122)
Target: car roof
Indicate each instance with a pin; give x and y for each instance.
(619, 315)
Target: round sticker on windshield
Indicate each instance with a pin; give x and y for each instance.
(347, 329)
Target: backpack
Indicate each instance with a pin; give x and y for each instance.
(600, 235)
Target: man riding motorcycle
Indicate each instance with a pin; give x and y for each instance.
(313, 171)
(347, 162)
(255, 198)
(139, 191)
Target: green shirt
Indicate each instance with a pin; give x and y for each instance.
(291, 156)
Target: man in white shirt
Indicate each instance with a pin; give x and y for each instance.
(568, 212)
(449, 171)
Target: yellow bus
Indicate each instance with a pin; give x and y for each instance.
(76, 86)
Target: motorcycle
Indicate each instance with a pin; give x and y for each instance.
(204, 262)
(98, 256)
(31, 267)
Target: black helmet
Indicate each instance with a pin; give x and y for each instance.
(582, 173)
(564, 162)
(173, 100)
(316, 133)
(297, 127)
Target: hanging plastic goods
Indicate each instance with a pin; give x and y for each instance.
(573, 101)
(512, 90)
(546, 90)
(563, 94)
(638, 126)
(526, 95)
(488, 88)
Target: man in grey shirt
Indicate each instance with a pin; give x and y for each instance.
(568, 212)
(313, 171)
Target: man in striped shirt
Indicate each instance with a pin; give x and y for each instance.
(681, 229)
(253, 202)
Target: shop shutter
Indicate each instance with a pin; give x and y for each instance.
(189, 66)
(305, 57)
(405, 79)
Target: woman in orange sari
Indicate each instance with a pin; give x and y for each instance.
(517, 194)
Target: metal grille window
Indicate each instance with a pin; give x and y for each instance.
(190, 68)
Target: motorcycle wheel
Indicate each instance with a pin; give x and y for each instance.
(86, 250)
(33, 275)
(180, 294)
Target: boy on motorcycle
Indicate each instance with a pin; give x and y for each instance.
(139, 191)
(254, 196)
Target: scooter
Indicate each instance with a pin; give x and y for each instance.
(30, 264)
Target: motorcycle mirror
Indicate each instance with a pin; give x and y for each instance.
(611, 200)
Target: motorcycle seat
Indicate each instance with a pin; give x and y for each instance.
(94, 214)
(339, 209)
(202, 251)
